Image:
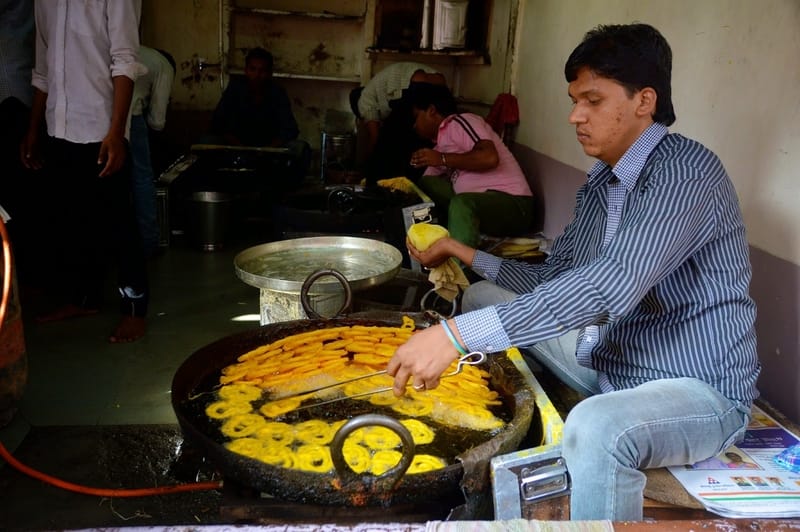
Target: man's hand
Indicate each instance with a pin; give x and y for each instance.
(426, 157)
(29, 151)
(112, 154)
(425, 356)
(440, 251)
(435, 255)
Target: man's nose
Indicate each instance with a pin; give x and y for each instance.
(576, 116)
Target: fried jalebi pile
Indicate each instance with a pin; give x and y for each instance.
(358, 457)
(242, 425)
(326, 356)
(422, 463)
(226, 409)
(240, 392)
(317, 358)
(313, 458)
(276, 433)
(383, 461)
(304, 446)
(420, 432)
(293, 364)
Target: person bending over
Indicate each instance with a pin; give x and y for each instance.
(642, 305)
(386, 118)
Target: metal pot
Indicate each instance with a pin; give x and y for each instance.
(200, 374)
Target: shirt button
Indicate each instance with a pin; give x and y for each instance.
(489, 349)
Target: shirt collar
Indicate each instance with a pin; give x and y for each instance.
(633, 160)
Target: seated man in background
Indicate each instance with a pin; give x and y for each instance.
(379, 106)
(470, 175)
(255, 111)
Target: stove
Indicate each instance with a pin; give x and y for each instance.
(244, 505)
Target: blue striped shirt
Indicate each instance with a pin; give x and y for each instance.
(661, 286)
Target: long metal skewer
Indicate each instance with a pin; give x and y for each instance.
(470, 359)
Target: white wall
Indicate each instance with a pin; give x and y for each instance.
(736, 88)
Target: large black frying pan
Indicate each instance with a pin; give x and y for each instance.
(200, 373)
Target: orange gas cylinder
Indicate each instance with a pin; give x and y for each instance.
(13, 358)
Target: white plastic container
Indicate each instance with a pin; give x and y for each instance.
(449, 24)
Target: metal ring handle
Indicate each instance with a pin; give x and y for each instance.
(341, 201)
(390, 478)
(348, 293)
(424, 300)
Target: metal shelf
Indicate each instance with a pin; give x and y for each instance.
(317, 77)
(463, 57)
(304, 14)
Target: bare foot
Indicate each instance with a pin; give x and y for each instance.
(130, 329)
(65, 312)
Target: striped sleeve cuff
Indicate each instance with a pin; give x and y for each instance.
(486, 265)
(481, 330)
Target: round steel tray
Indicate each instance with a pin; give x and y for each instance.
(286, 264)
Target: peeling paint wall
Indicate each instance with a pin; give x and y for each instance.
(189, 30)
(330, 51)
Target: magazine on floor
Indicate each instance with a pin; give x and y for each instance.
(745, 480)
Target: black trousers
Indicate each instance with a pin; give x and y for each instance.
(90, 225)
(15, 187)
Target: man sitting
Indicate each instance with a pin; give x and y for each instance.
(471, 176)
(255, 111)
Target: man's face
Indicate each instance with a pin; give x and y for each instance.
(606, 117)
(425, 123)
(257, 71)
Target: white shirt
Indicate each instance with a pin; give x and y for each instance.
(385, 86)
(80, 46)
(152, 90)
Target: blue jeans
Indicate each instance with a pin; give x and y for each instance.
(143, 185)
(608, 438)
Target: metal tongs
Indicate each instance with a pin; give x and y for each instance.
(473, 358)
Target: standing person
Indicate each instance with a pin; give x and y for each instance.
(470, 175)
(643, 303)
(86, 64)
(151, 94)
(16, 62)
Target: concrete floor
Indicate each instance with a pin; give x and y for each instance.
(78, 379)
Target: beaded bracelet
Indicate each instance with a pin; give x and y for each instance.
(452, 338)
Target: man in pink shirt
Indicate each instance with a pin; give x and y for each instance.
(471, 175)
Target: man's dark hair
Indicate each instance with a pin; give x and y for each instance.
(422, 95)
(634, 55)
(259, 53)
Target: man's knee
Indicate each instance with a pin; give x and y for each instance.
(483, 294)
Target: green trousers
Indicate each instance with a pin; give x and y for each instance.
(468, 215)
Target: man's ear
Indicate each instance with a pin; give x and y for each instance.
(647, 102)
